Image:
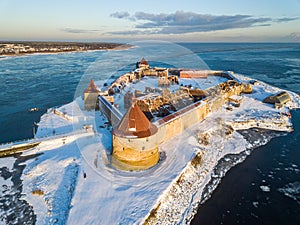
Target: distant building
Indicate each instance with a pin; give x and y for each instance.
(91, 94)
(278, 99)
(247, 88)
(143, 64)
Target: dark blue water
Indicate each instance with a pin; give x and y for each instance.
(40, 81)
(276, 64)
(44, 81)
(239, 199)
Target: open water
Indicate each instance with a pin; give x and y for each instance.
(264, 189)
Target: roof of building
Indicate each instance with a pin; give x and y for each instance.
(282, 98)
(92, 88)
(144, 61)
(135, 123)
(193, 74)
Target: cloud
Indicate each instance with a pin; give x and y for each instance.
(182, 22)
(286, 19)
(78, 31)
(292, 37)
(295, 35)
(134, 32)
(120, 15)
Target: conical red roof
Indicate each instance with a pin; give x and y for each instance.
(92, 88)
(144, 62)
(135, 123)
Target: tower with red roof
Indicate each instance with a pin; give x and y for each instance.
(91, 94)
(135, 144)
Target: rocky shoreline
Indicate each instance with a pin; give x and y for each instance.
(25, 48)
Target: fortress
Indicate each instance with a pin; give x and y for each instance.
(172, 101)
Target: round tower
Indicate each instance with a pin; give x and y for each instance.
(135, 145)
(143, 64)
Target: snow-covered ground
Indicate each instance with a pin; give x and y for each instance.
(72, 180)
(5, 182)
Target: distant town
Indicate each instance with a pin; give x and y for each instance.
(19, 48)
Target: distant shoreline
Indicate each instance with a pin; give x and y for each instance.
(16, 49)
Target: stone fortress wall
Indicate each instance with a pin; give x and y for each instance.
(177, 122)
(132, 151)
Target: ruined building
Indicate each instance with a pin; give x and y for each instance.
(278, 99)
(158, 113)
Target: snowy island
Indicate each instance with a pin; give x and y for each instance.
(141, 148)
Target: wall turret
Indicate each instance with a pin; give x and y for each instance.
(90, 95)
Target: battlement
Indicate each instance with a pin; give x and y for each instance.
(172, 101)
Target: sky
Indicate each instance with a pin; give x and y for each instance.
(132, 20)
